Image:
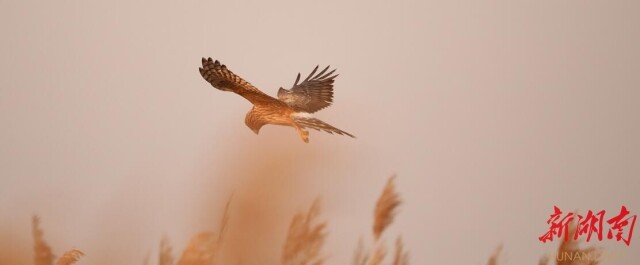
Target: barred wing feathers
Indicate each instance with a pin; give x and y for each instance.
(313, 94)
(223, 79)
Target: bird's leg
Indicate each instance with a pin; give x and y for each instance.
(304, 134)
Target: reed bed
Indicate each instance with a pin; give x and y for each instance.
(303, 245)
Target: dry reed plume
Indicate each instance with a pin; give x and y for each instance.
(385, 208)
(383, 216)
(305, 239)
(201, 250)
(42, 252)
(401, 257)
(70, 257)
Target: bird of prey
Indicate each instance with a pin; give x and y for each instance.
(293, 107)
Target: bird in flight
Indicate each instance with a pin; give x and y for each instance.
(293, 107)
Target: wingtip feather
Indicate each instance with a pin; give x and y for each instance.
(321, 72)
(312, 73)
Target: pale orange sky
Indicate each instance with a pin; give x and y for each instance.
(490, 114)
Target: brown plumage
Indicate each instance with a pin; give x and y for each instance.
(293, 107)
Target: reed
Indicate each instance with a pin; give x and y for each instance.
(383, 216)
(70, 257)
(42, 252)
(305, 238)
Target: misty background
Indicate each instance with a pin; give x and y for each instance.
(489, 113)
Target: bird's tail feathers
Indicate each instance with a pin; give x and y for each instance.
(316, 124)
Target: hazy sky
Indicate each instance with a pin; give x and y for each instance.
(490, 114)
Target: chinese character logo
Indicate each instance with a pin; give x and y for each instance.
(590, 226)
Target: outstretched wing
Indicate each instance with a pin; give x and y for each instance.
(313, 94)
(222, 78)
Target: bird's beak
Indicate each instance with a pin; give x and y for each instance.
(256, 131)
